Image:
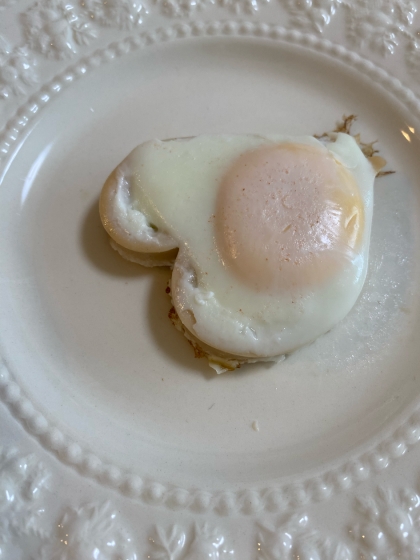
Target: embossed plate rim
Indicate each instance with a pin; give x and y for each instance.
(314, 488)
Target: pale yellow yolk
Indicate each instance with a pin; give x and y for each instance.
(288, 216)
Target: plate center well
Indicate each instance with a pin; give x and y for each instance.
(86, 334)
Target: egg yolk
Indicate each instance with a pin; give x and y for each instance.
(288, 216)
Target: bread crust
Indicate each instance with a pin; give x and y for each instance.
(167, 258)
(219, 361)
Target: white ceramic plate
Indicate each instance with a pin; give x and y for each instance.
(117, 442)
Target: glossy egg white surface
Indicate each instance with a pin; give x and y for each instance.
(273, 233)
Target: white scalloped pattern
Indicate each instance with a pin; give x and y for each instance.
(58, 29)
(248, 502)
(293, 538)
(385, 524)
(199, 543)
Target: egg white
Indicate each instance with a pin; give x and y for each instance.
(170, 201)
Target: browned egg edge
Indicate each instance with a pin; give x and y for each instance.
(219, 361)
(368, 148)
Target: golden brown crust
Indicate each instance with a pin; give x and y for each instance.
(217, 362)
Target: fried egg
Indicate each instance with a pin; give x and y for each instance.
(268, 235)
